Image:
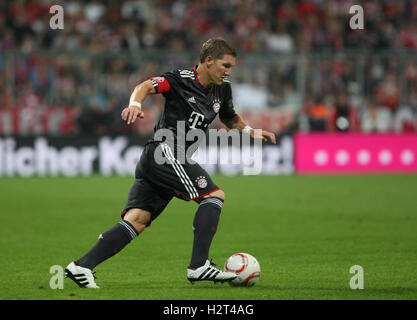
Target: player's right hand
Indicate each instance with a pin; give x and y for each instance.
(130, 114)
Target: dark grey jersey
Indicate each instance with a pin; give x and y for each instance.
(187, 101)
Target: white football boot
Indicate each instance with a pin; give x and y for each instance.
(209, 271)
(84, 277)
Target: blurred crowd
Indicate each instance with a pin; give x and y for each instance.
(297, 58)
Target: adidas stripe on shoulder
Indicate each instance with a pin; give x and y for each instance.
(187, 74)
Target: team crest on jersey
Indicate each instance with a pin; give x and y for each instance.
(201, 182)
(216, 105)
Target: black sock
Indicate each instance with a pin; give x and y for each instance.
(109, 243)
(205, 225)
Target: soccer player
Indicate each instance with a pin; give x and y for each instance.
(194, 97)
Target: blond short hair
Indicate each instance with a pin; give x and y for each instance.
(217, 48)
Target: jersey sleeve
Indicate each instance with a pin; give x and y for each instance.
(227, 110)
(161, 84)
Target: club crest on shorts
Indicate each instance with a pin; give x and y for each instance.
(216, 105)
(201, 182)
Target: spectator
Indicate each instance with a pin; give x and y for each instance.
(319, 115)
(405, 120)
(250, 96)
(279, 40)
(387, 93)
(375, 118)
(344, 117)
(412, 96)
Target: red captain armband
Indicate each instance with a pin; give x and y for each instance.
(160, 84)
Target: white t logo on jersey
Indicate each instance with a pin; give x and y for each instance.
(195, 118)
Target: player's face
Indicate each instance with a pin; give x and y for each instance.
(222, 68)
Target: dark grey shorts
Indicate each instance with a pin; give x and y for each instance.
(156, 184)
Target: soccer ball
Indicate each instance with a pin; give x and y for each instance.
(246, 267)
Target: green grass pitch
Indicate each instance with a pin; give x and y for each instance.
(306, 232)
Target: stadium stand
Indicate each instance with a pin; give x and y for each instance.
(300, 67)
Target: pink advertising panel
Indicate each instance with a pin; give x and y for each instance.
(355, 153)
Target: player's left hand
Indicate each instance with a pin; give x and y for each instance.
(264, 135)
